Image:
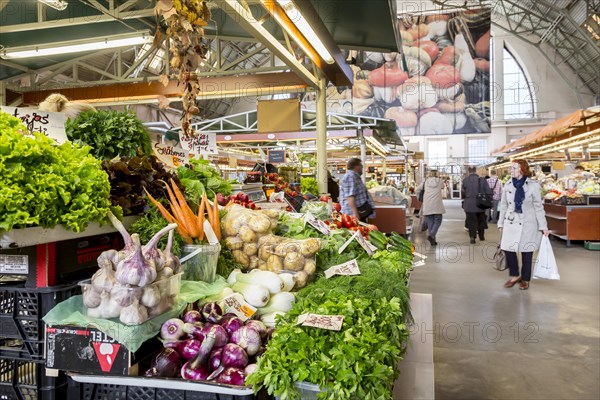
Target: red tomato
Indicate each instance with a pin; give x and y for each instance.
(443, 76)
(338, 224)
(337, 207)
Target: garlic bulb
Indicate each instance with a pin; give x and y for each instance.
(91, 297)
(171, 260)
(104, 278)
(151, 296)
(134, 269)
(164, 305)
(166, 273)
(94, 312)
(151, 253)
(108, 307)
(124, 295)
(135, 314)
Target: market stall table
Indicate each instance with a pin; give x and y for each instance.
(393, 218)
(573, 222)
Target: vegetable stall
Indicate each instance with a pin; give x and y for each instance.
(202, 292)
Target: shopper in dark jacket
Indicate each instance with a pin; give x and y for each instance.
(473, 185)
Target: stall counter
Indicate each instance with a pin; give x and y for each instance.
(574, 222)
(393, 218)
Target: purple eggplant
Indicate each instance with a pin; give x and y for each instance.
(231, 356)
(248, 339)
(212, 312)
(167, 363)
(187, 349)
(232, 376)
(259, 327)
(192, 316)
(214, 362)
(231, 323)
(197, 369)
(172, 329)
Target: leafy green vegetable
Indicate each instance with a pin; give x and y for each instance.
(198, 177)
(309, 185)
(110, 133)
(128, 178)
(317, 208)
(47, 185)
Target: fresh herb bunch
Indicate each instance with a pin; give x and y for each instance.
(152, 222)
(42, 184)
(309, 185)
(110, 133)
(128, 178)
(198, 177)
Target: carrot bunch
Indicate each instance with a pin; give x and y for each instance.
(189, 225)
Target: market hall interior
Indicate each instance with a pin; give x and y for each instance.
(496, 343)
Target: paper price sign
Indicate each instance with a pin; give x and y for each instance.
(51, 124)
(237, 305)
(202, 143)
(14, 264)
(347, 268)
(317, 224)
(369, 248)
(329, 322)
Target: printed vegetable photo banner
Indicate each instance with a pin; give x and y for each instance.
(438, 85)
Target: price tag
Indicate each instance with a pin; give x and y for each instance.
(347, 268)
(295, 215)
(369, 248)
(236, 304)
(317, 224)
(202, 143)
(424, 257)
(51, 124)
(14, 264)
(329, 322)
(419, 263)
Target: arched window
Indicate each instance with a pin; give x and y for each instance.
(517, 94)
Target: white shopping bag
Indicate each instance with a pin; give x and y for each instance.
(545, 265)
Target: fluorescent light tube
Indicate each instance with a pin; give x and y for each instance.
(76, 46)
(304, 27)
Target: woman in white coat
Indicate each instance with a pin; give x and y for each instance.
(522, 222)
(433, 206)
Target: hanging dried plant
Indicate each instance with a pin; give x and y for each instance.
(185, 21)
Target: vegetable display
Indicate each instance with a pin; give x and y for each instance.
(130, 176)
(42, 184)
(190, 225)
(309, 185)
(360, 361)
(248, 234)
(136, 283)
(110, 133)
(199, 177)
(214, 347)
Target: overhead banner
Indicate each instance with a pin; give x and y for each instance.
(204, 143)
(438, 85)
(51, 124)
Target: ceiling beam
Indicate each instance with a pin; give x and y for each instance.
(247, 21)
(231, 86)
(69, 22)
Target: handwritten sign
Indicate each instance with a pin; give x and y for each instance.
(347, 268)
(369, 248)
(236, 304)
(51, 124)
(317, 224)
(276, 156)
(171, 156)
(329, 322)
(203, 143)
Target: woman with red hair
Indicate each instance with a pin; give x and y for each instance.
(522, 222)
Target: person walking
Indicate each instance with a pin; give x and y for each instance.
(354, 196)
(496, 185)
(433, 206)
(471, 187)
(522, 222)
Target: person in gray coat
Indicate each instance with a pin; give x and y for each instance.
(522, 222)
(433, 206)
(476, 222)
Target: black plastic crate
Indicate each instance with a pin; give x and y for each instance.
(27, 380)
(92, 391)
(21, 311)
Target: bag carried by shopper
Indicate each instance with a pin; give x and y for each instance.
(484, 200)
(499, 260)
(545, 265)
(421, 193)
(365, 210)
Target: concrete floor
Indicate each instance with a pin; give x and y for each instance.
(496, 343)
